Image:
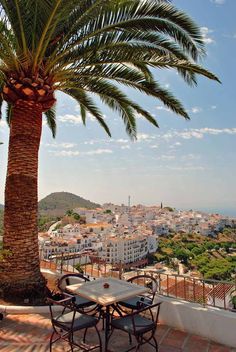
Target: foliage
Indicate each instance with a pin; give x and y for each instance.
(44, 222)
(72, 214)
(107, 211)
(81, 47)
(79, 268)
(209, 257)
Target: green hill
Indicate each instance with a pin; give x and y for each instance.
(56, 204)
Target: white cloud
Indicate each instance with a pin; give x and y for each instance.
(65, 153)
(197, 133)
(218, 2)
(166, 157)
(205, 33)
(177, 144)
(71, 119)
(78, 153)
(61, 145)
(196, 109)
(122, 141)
(213, 107)
(125, 147)
(144, 137)
(187, 168)
(190, 157)
(98, 151)
(90, 142)
(154, 146)
(163, 108)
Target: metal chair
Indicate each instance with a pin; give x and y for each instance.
(142, 324)
(147, 298)
(71, 279)
(69, 320)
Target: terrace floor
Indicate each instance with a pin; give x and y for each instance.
(31, 333)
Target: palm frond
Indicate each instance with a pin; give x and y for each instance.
(8, 114)
(51, 120)
(88, 105)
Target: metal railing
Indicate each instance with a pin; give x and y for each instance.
(212, 293)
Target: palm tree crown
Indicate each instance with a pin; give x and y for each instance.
(88, 46)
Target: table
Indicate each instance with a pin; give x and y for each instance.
(118, 290)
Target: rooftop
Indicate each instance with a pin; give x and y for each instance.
(31, 333)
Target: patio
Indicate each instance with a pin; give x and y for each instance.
(31, 333)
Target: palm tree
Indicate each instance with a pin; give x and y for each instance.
(82, 48)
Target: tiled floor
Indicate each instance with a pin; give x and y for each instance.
(31, 333)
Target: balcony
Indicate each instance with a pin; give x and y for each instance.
(192, 309)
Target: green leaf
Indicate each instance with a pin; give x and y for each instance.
(51, 120)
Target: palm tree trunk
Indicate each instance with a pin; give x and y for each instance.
(21, 271)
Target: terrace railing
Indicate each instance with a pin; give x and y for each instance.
(212, 293)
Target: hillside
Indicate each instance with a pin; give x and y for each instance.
(1, 206)
(56, 204)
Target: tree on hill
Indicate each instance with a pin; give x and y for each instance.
(78, 47)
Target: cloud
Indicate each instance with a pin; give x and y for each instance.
(78, 153)
(163, 108)
(125, 147)
(61, 145)
(144, 137)
(213, 107)
(122, 141)
(205, 33)
(166, 157)
(190, 157)
(154, 146)
(98, 151)
(218, 2)
(71, 119)
(197, 133)
(177, 144)
(186, 168)
(196, 109)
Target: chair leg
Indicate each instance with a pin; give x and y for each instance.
(71, 342)
(130, 339)
(85, 332)
(99, 338)
(50, 343)
(156, 344)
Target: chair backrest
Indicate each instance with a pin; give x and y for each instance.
(71, 279)
(146, 280)
(152, 310)
(66, 302)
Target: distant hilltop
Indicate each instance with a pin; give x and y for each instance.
(56, 204)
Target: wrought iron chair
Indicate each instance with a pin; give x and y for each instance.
(69, 320)
(147, 298)
(71, 279)
(142, 324)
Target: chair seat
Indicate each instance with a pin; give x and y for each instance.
(81, 302)
(142, 324)
(81, 321)
(132, 303)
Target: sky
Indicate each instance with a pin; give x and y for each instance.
(184, 164)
